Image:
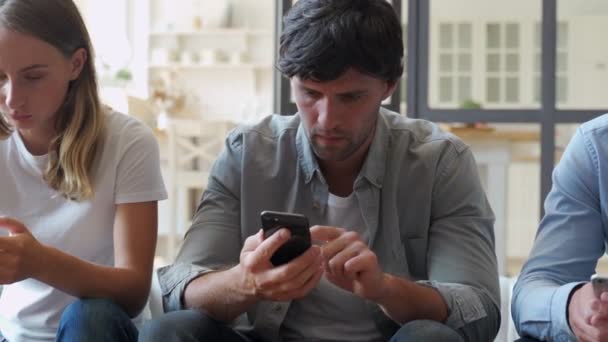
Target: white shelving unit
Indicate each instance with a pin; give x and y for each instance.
(225, 69)
(203, 59)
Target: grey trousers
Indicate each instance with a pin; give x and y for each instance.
(196, 326)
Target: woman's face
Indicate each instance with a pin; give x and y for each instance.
(34, 79)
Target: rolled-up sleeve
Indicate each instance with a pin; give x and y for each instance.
(569, 242)
(214, 241)
(461, 259)
(173, 280)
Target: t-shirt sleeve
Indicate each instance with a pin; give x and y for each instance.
(138, 177)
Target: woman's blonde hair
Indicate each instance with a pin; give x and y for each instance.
(79, 122)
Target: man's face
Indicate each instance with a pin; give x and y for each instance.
(340, 115)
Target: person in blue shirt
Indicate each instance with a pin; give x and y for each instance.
(553, 298)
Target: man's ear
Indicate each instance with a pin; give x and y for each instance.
(78, 60)
(390, 89)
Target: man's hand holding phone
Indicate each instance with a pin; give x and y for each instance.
(298, 227)
(588, 310)
(292, 280)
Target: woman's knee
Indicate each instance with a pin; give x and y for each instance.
(93, 310)
(95, 319)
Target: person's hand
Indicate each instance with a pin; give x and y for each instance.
(588, 315)
(348, 261)
(20, 253)
(289, 281)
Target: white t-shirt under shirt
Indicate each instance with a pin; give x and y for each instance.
(329, 313)
(127, 171)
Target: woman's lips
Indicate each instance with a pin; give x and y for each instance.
(20, 117)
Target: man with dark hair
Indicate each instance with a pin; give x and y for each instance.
(404, 245)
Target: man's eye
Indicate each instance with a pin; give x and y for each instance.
(351, 97)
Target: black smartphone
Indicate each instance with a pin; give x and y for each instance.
(299, 241)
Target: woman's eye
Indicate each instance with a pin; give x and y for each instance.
(33, 77)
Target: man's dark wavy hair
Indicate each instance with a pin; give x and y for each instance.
(323, 38)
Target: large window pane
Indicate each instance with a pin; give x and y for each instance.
(523, 194)
(562, 69)
(582, 65)
(492, 46)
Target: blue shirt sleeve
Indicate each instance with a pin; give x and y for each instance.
(569, 242)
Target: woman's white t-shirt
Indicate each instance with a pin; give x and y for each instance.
(127, 170)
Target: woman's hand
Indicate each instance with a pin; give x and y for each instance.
(21, 254)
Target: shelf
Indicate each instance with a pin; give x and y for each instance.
(213, 32)
(212, 66)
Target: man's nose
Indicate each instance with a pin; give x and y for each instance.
(328, 114)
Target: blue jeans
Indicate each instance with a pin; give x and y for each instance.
(196, 326)
(95, 320)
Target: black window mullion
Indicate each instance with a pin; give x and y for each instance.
(395, 102)
(282, 92)
(412, 58)
(548, 109)
(577, 115)
(483, 115)
(423, 11)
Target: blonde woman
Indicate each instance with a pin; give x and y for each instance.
(79, 186)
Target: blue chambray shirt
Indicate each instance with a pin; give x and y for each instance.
(571, 237)
(419, 194)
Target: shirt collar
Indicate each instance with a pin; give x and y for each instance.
(375, 161)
